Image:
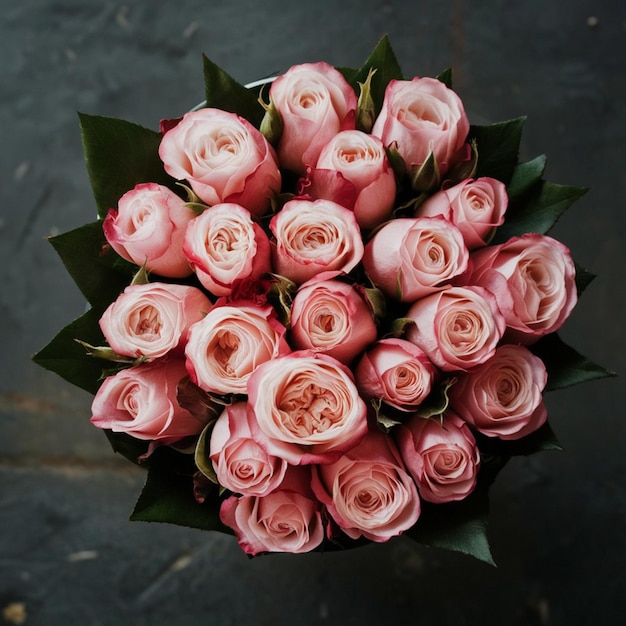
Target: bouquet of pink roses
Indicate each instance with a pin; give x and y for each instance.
(323, 310)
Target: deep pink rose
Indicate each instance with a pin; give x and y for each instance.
(354, 171)
(442, 457)
(332, 317)
(288, 519)
(307, 408)
(315, 102)
(475, 207)
(224, 158)
(224, 245)
(141, 401)
(148, 228)
(457, 327)
(240, 464)
(396, 371)
(368, 491)
(533, 278)
(151, 320)
(409, 258)
(503, 397)
(226, 346)
(314, 237)
(421, 115)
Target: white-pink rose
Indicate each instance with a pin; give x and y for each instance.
(409, 258)
(224, 158)
(457, 327)
(397, 372)
(240, 464)
(368, 491)
(289, 519)
(475, 207)
(420, 116)
(229, 343)
(307, 408)
(224, 245)
(141, 401)
(153, 319)
(314, 237)
(148, 228)
(503, 397)
(441, 456)
(315, 102)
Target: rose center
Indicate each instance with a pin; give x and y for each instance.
(146, 322)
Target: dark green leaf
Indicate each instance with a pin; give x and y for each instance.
(348, 73)
(129, 447)
(583, 278)
(542, 440)
(525, 177)
(118, 156)
(446, 77)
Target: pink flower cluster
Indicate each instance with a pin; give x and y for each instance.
(298, 451)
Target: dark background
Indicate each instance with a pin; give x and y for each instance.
(68, 555)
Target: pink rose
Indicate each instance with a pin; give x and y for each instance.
(224, 159)
(288, 519)
(442, 457)
(475, 207)
(353, 170)
(148, 227)
(151, 320)
(226, 346)
(396, 371)
(409, 258)
(224, 245)
(457, 327)
(367, 491)
(503, 397)
(315, 102)
(331, 316)
(141, 401)
(420, 116)
(240, 464)
(307, 408)
(314, 237)
(533, 279)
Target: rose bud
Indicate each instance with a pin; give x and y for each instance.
(315, 102)
(153, 319)
(148, 228)
(441, 456)
(224, 159)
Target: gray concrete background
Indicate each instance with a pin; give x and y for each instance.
(68, 555)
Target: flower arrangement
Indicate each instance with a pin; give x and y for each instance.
(323, 310)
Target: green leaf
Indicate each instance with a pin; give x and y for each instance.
(525, 177)
(565, 366)
(446, 77)
(118, 156)
(583, 278)
(542, 440)
(129, 447)
(224, 92)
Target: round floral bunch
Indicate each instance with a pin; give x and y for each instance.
(327, 311)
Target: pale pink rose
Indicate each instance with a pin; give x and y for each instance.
(315, 102)
(141, 401)
(240, 464)
(148, 228)
(354, 171)
(289, 519)
(331, 316)
(503, 397)
(397, 372)
(421, 115)
(368, 491)
(409, 258)
(223, 245)
(307, 408)
(153, 319)
(224, 159)
(441, 456)
(314, 237)
(533, 278)
(226, 346)
(457, 327)
(475, 207)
